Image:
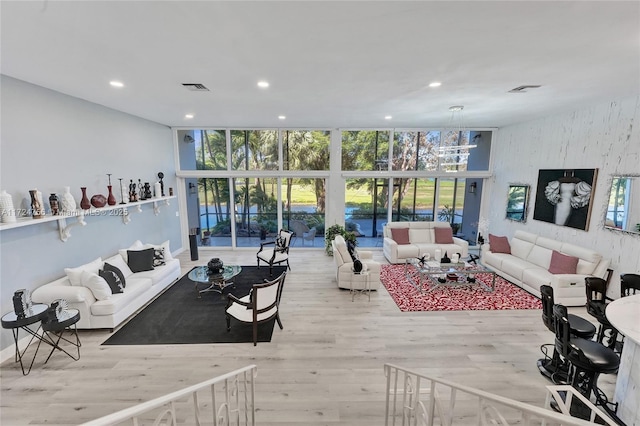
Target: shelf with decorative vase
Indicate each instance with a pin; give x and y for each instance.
(80, 215)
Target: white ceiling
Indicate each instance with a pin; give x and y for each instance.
(330, 64)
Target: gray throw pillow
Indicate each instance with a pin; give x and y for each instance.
(140, 260)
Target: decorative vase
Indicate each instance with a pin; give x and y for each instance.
(445, 258)
(7, 212)
(54, 204)
(157, 188)
(68, 202)
(215, 266)
(147, 191)
(124, 192)
(161, 176)
(111, 199)
(37, 207)
(98, 201)
(85, 204)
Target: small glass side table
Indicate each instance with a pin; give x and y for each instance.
(54, 329)
(364, 274)
(15, 323)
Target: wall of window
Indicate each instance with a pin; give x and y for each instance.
(251, 183)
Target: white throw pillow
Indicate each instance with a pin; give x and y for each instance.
(165, 246)
(75, 274)
(137, 245)
(120, 264)
(96, 284)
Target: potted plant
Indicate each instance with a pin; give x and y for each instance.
(331, 232)
(447, 214)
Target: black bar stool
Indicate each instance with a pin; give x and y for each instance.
(597, 301)
(629, 284)
(553, 367)
(587, 358)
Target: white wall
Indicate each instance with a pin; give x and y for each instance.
(601, 136)
(49, 141)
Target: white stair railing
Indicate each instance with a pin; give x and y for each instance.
(221, 401)
(415, 399)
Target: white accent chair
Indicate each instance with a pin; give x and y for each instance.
(260, 305)
(278, 253)
(344, 264)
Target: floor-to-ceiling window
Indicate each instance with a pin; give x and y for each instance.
(365, 153)
(244, 185)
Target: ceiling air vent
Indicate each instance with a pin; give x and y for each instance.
(195, 87)
(523, 89)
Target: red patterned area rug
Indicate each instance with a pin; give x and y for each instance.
(459, 298)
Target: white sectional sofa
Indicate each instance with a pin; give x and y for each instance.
(111, 309)
(422, 240)
(529, 261)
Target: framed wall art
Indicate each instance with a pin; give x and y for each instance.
(565, 197)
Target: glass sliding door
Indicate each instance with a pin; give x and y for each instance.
(451, 202)
(413, 199)
(213, 210)
(303, 210)
(366, 207)
(256, 210)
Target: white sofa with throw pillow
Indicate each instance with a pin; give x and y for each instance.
(406, 240)
(530, 261)
(97, 289)
(344, 266)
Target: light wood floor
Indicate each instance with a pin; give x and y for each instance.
(324, 368)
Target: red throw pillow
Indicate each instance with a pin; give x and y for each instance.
(400, 235)
(443, 235)
(563, 264)
(499, 244)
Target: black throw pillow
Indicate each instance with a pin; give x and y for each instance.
(117, 271)
(352, 251)
(158, 257)
(357, 266)
(113, 280)
(140, 260)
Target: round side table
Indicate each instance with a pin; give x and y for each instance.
(15, 323)
(54, 329)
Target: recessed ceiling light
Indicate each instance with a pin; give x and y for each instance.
(388, 117)
(263, 84)
(282, 117)
(188, 116)
(435, 84)
(115, 83)
(456, 108)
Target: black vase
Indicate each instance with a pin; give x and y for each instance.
(215, 266)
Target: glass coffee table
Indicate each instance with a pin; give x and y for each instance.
(217, 282)
(431, 275)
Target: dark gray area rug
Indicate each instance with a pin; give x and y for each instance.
(177, 316)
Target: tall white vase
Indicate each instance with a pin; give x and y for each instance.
(124, 192)
(7, 212)
(67, 202)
